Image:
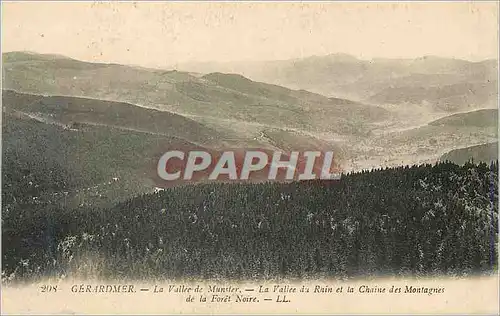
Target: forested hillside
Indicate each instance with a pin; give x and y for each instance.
(428, 219)
(480, 153)
(80, 154)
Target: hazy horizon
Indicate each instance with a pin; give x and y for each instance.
(160, 35)
(236, 61)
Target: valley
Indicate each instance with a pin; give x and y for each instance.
(131, 115)
(266, 150)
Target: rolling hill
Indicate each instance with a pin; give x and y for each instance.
(92, 164)
(425, 143)
(216, 95)
(453, 97)
(227, 110)
(70, 111)
(479, 118)
(442, 84)
(78, 145)
(480, 153)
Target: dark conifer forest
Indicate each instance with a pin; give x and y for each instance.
(420, 220)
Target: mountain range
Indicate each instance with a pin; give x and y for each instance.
(444, 84)
(235, 97)
(76, 127)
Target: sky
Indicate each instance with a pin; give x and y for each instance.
(162, 34)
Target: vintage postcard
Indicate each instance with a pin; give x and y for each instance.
(249, 157)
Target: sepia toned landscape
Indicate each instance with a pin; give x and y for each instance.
(415, 137)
